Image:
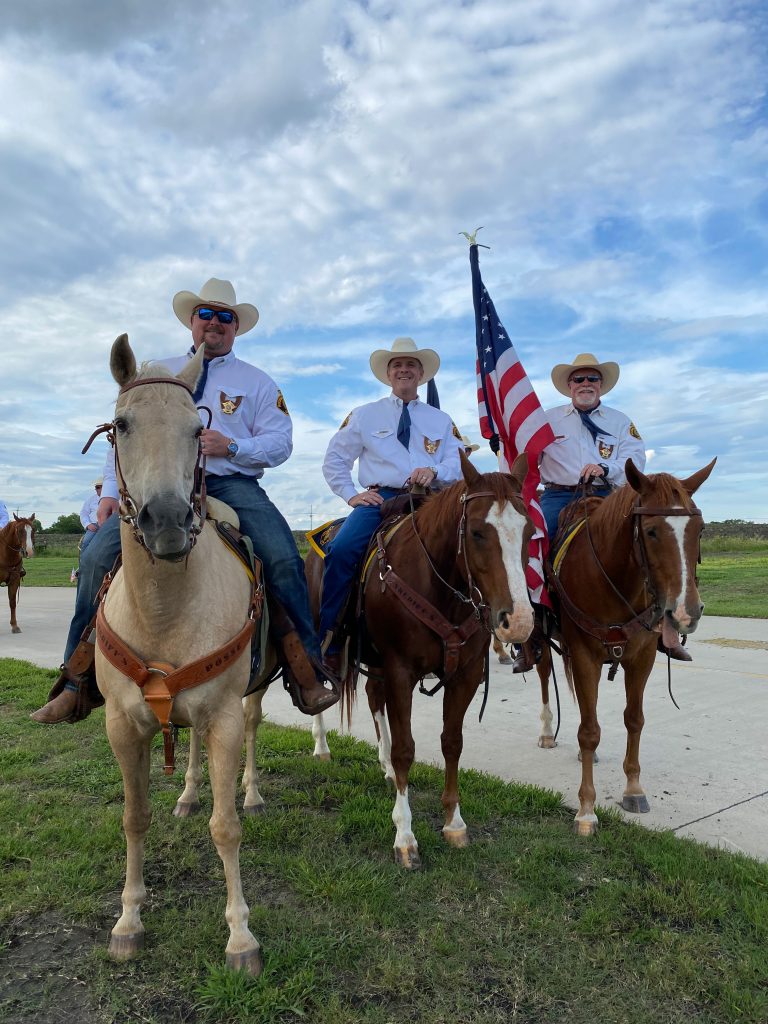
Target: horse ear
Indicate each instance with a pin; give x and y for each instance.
(471, 475)
(636, 480)
(122, 361)
(192, 370)
(693, 483)
(519, 469)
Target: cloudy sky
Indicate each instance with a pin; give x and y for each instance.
(325, 154)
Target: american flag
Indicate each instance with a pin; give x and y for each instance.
(508, 407)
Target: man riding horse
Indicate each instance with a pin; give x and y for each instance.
(397, 440)
(250, 430)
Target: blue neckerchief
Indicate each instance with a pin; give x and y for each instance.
(197, 394)
(589, 423)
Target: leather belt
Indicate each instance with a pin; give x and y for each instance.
(576, 487)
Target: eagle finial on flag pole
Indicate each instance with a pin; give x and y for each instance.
(472, 239)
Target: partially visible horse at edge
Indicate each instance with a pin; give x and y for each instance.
(179, 600)
(629, 571)
(459, 562)
(17, 541)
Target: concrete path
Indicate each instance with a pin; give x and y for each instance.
(705, 769)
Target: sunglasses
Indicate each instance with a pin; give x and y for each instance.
(593, 378)
(224, 315)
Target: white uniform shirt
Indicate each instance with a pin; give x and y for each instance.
(369, 434)
(4, 517)
(573, 448)
(88, 511)
(247, 406)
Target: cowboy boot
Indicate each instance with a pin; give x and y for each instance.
(528, 656)
(74, 694)
(301, 677)
(677, 652)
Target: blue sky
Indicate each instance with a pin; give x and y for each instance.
(325, 155)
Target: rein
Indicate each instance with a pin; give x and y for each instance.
(453, 636)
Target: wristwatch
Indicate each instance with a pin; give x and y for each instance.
(604, 468)
(232, 448)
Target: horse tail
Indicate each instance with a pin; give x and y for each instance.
(349, 690)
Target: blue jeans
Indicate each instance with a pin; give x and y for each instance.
(272, 542)
(553, 502)
(345, 551)
(87, 538)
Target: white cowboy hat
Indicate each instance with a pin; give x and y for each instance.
(469, 446)
(98, 482)
(381, 358)
(220, 295)
(585, 361)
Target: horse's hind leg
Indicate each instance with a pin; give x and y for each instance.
(254, 801)
(224, 742)
(132, 752)
(586, 674)
(635, 677)
(374, 689)
(500, 651)
(13, 590)
(321, 751)
(189, 801)
(399, 701)
(544, 669)
(456, 699)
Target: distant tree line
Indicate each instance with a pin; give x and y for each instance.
(738, 528)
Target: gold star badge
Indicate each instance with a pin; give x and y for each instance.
(633, 431)
(281, 403)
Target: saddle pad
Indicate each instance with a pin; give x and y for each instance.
(321, 536)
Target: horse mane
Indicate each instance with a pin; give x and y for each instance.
(150, 369)
(439, 513)
(614, 511)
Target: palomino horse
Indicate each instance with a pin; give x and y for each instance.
(179, 600)
(17, 541)
(451, 573)
(630, 569)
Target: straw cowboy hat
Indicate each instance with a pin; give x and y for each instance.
(220, 295)
(469, 446)
(98, 482)
(382, 357)
(585, 361)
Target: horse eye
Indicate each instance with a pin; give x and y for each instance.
(121, 426)
(652, 533)
(478, 535)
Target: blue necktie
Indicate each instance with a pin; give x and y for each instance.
(198, 392)
(590, 424)
(404, 427)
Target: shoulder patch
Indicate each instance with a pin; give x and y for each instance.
(346, 421)
(456, 432)
(281, 403)
(633, 431)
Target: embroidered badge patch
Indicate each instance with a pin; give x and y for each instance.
(456, 432)
(606, 450)
(227, 404)
(346, 421)
(633, 431)
(430, 447)
(281, 403)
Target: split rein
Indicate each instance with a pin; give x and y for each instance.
(197, 498)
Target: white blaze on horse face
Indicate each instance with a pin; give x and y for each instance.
(510, 528)
(28, 545)
(681, 614)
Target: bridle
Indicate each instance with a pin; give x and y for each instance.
(128, 510)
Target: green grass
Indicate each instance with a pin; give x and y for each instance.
(735, 582)
(529, 923)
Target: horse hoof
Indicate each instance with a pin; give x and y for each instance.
(250, 961)
(125, 947)
(504, 659)
(323, 757)
(635, 804)
(585, 826)
(408, 857)
(251, 810)
(16, 629)
(185, 810)
(547, 742)
(456, 838)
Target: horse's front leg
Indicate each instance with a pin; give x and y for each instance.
(544, 669)
(13, 590)
(586, 674)
(189, 801)
(399, 700)
(457, 697)
(254, 801)
(321, 751)
(374, 689)
(224, 741)
(636, 674)
(131, 748)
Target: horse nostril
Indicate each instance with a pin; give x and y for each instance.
(503, 620)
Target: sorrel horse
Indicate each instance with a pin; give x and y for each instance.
(179, 600)
(17, 541)
(628, 571)
(448, 576)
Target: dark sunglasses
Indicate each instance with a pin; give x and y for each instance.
(593, 378)
(224, 315)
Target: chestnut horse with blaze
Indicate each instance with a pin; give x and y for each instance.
(629, 571)
(452, 573)
(17, 540)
